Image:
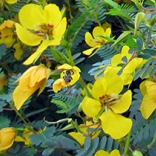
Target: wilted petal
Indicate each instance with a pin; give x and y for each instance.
(115, 125)
(147, 107)
(90, 107)
(18, 51)
(20, 96)
(123, 104)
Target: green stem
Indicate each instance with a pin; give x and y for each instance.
(153, 141)
(69, 7)
(19, 114)
(70, 56)
(83, 85)
(127, 143)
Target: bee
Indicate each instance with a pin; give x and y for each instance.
(67, 76)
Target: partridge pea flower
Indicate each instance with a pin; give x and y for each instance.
(104, 153)
(148, 105)
(129, 62)
(7, 136)
(44, 27)
(34, 78)
(97, 40)
(108, 105)
(68, 77)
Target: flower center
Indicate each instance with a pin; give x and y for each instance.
(108, 100)
(45, 30)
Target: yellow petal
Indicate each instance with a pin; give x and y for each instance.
(90, 107)
(20, 96)
(65, 66)
(34, 57)
(18, 51)
(89, 51)
(147, 107)
(116, 59)
(132, 65)
(89, 40)
(26, 36)
(99, 88)
(151, 89)
(59, 30)
(115, 153)
(107, 32)
(58, 85)
(101, 153)
(123, 104)
(8, 41)
(127, 78)
(78, 137)
(143, 88)
(97, 31)
(125, 52)
(114, 82)
(11, 1)
(115, 125)
(31, 16)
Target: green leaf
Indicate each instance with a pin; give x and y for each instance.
(48, 151)
(122, 37)
(3, 50)
(138, 19)
(37, 139)
(5, 122)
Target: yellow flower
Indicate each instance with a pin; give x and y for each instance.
(148, 105)
(7, 136)
(6, 33)
(80, 137)
(108, 105)
(104, 153)
(131, 65)
(68, 77)
(44, 27)
(98, 38)
(34, 78)
(18, 51)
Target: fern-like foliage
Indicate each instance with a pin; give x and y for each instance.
(122, 11)
(92, 146)
(148, 69)
(66, 101)
(107, 51)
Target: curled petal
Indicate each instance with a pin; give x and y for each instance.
(115, 125)
(58, 85)
(26, 36)
(123, 104)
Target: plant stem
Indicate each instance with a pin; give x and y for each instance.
(127, 143)
(70, 56)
